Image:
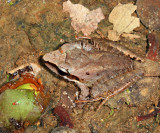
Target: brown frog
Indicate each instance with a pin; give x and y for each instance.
(101, 69)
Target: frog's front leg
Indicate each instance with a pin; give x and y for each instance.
(84, 91)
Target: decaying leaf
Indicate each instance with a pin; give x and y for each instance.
(113, 35)
(122, 19)
(149, 13)
(82, 18)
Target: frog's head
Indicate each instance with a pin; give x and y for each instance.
(72, 61)
(60, 60)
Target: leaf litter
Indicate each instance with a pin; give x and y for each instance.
(123, 21)
(82, 18)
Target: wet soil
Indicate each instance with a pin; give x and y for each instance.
(31, 28)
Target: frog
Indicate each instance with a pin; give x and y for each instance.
(99, 67)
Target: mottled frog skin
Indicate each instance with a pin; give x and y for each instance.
(100, 68)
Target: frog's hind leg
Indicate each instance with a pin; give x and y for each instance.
(115, 92)
(108, 97)
(112, 87)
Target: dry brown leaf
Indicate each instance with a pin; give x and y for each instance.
(83, 19)
(113, 35)
(122, 19)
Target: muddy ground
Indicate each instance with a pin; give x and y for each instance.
(31, 28)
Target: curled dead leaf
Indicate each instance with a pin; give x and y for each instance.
(122, 19)
(82, 18)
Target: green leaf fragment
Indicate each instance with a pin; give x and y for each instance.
(11, 3)
(27, 86)
(7, 77)
(20, 105)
